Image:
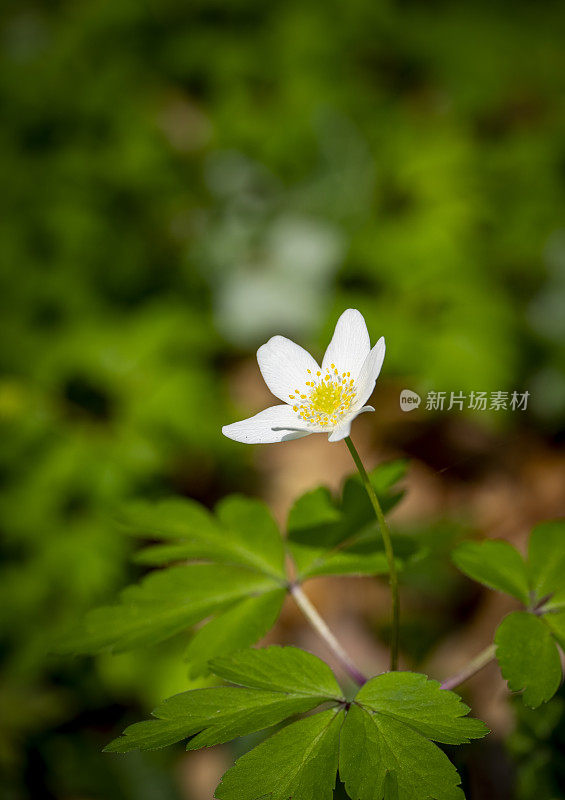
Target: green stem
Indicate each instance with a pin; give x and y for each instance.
(393, 575)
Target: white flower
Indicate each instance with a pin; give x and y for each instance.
(316, 399)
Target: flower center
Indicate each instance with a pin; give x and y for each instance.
(327, 399)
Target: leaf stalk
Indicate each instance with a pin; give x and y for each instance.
(474, 666)
(322, 629)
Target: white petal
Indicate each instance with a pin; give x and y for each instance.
(350, 344)
(344, 429)
(274, 424)
(370, 370)
(284, 366)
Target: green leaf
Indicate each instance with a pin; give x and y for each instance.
(163, 604)
(238, 627)
(159, 555)
(496, 564)
(315, 526)
(557, 601)
(359, 559)
(381, 758)
(173, 518)
(386, 476)
(279, 681)
(211, 716)
(285, 669)
(330, 538)
(247, 555)
(243, 532)
(385, 749)
(297, 763)
(253, 532)
(556, 623)
(355, 500)
(382, 745)
(313, 509)
(547, 558)
(528, 657)
(414, 699)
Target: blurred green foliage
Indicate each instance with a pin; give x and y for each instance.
(183, 180)
(536, 745)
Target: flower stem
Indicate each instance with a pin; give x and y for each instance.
(393, 576)
(322, 629)
(480, 661)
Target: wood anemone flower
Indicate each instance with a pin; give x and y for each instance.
(315, 399)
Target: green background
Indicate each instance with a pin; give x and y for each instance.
(180, 182)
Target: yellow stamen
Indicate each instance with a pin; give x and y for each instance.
(328, 400)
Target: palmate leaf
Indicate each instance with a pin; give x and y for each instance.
(330, 537)
(528, 657)
(386, 748)
(241, 587)
(496, 564)
(382, 745)
(163, 604)
(381, 741)
(526, 641)
(279, 681)
(241, 532)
